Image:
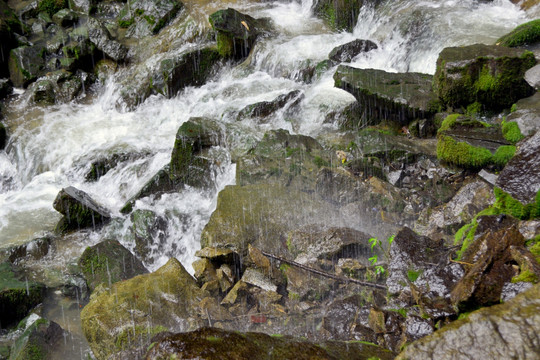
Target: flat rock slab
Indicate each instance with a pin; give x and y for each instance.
(398, 97)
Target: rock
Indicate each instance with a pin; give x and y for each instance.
(323, 242)
(283, 158)
(347, 319)
(257, 278)
(212, 343)
(341, 14)
(79, 210)
(400, 98)
(35, 249)
(188, 164)
(532, 77)
(82, 6)
(526, 116)
(488, 76)
(109, 262)
(10, 25)
(6, 88)
(55, 88)
(521, 176)
(102, 165)
(261, 111)
(38, 340)
(509, 330)
(262, 215)
(17, 297)
(204, 271)
(101, 38)
(510, 290)
(149, 231)
(469, 200)
(218, 255)
(147, 17)
(26, 63)
(524, 34)
(416, 266)
(491, 258)
(65, 17)
(51, 7)
(133, 310)
(472, 144)
(304, 286)
(346, 52)
(3, 136)
(237, 32)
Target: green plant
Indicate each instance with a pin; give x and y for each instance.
(374, 242)
(524, 34)
(511, 131)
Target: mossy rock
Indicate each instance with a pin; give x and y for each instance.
(17, 297)
(237, 32)
(147, 17)
(51, 7)
(260, 111)
(396, 97)
(132, 311)
(212, 343)
(109, 262)
(262, 215)
(38, 341)
(26, 63)
(149, 230)
(488, 76)
(285, 159)
(10, 25)
(341, 14)
(524, 34)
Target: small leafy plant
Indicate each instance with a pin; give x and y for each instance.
(374, 242)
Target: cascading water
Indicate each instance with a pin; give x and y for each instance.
(51, 148)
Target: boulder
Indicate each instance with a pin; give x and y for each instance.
(10, 25)
(39, 339)
(213, 343)
(489, 77)
(346, 52)
(521, 176)
(396, 97)
(526, 116)
(55, 88)
(341, 14)
(491, 264)
(101, 38)
(149, 231)
(3, 136)
(79, 210)
(65, 18)
(6, 88)
(509, 330)
(261, 111)
(262, 215)
(237, 32)
(147, 17)
(34, 249)
(82, 6)
(127, 316)
(523, 35)
(108, 262)
(283, 158)
(26, 63)
(102, 165)
(17, 297)
(51, 7)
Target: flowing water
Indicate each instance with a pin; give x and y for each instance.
(51, 148)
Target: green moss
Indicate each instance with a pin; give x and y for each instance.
(51, 7)
(139, 12)
(126, 23)
(320, 162)
(449, 122)
(225, 44)
(462, 154)
(511, 131)
(503, 155)
(412, 274)
(214, 339)
(525, 276)
(513, 108)
(465, 235)
(474, 108)
(294, 296)
(525, 34)
(130, 334)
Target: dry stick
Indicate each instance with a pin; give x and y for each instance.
(322, 273)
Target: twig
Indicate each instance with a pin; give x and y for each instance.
(461, 262)
(325, 274)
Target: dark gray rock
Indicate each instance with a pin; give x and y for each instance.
(346, 52)
(260, 111)
(6, 88)
(79, 210)
(149, 231)
(65, 17)
(10, 26)
(506, 331)
(147, 17)
(527, 115)
(237, 32)
(100, 36)
(35, 249)
(26, 63)
(521, 176)
(40, 337)
(340, 14)
(400, 98)
(109, 262)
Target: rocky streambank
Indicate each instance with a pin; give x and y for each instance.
(409, 230)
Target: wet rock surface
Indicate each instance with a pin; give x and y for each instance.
(507, 330)
(39, 338)
(400, 98)
(346, 52)
(521, 177)
(79, 210)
